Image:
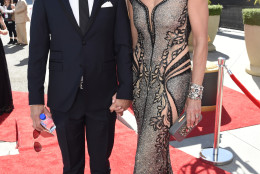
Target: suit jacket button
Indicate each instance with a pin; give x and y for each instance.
(84, 42)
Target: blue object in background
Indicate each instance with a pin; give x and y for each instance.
(29, 2)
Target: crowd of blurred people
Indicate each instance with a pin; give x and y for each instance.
(15, 15)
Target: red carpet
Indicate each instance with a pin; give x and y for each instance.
(49, 159)
(7, 128)
(122, 159)
(238, 112)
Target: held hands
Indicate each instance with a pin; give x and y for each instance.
(36, 110)
(119, 105)
(193, 111)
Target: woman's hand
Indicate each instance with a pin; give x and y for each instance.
(193, 111)
(119, 105)
(3, 32)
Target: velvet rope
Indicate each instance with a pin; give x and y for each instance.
(247, 93)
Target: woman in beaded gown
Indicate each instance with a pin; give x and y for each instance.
(162, 73)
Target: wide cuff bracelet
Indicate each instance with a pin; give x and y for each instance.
(195, 92)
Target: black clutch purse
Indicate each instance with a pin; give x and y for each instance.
(179, 129)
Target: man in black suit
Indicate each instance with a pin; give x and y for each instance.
(90, 61)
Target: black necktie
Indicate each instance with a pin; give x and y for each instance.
(83, 15)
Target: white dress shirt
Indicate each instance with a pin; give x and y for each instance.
(75, 8)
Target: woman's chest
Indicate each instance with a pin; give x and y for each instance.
(166, 14)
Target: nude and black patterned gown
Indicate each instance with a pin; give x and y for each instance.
(161, 79)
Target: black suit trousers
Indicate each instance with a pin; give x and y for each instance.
(72, 126)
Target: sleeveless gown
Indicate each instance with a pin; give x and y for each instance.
(6, 101)
(162, 74)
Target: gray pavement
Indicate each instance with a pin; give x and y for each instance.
(244, 142)
(17, 58)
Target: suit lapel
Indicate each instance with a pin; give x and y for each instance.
(69, 13)
(96, 7)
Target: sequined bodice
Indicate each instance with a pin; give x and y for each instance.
(167, 24)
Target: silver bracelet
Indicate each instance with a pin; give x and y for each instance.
(195, 92)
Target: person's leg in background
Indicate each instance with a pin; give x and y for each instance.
(13, 30)
(18, 33)
(100, 131)
(21, 33)
(8, 26)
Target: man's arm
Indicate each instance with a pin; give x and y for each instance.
(38, 55)
(123, 50)
(124, 56)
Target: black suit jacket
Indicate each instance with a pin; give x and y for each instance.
(103, 54)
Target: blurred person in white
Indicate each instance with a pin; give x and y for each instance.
(21, 17)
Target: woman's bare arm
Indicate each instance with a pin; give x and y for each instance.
(198, 15)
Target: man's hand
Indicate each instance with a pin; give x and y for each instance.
(119, 105)
(36, 111)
